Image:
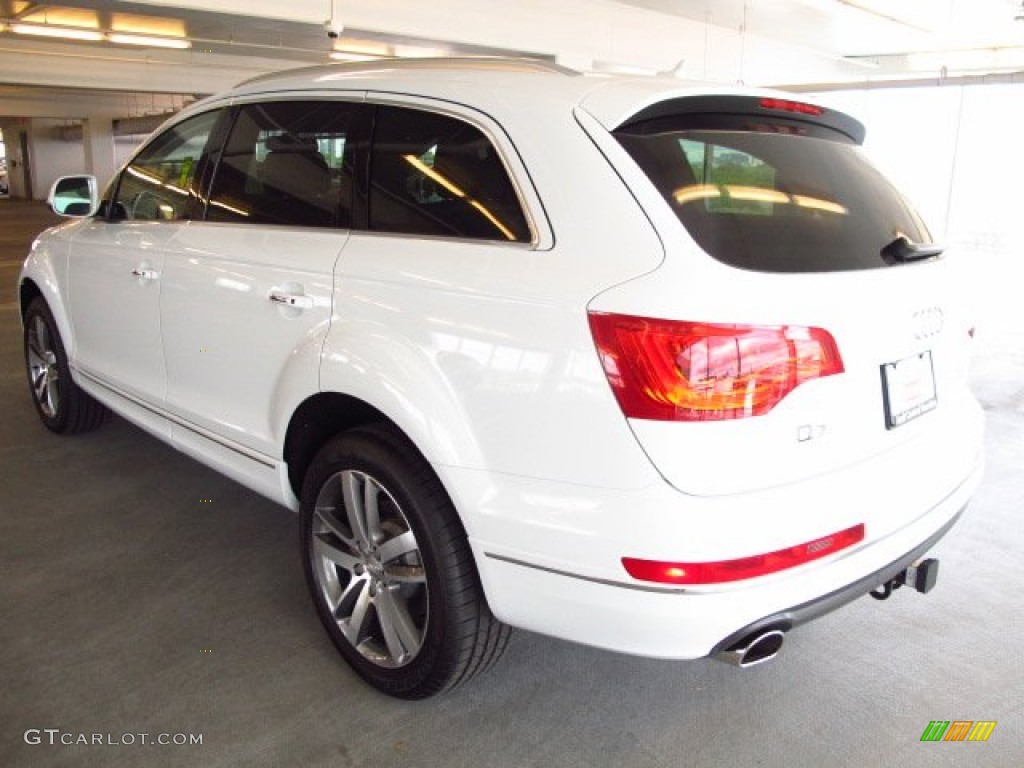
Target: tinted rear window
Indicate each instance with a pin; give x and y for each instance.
(775, 201)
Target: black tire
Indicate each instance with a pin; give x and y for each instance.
(62, 406)
(407, 567)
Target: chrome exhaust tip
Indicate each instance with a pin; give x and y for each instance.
(753, 649)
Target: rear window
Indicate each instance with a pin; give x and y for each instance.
(774, 200)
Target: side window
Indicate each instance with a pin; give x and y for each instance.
(436, 175)
(158, 183)
(286, 163)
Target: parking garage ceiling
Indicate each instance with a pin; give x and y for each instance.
(200, 46)
(211, 31)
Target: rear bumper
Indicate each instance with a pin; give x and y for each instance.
(786, 619)
(603, 607)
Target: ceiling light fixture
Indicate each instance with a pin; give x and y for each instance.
(148, 41)
(63, 33)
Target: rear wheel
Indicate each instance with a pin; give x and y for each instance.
(61, 405)
(390, 569)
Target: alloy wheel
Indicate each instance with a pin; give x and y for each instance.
(369, 570)
(43, 367)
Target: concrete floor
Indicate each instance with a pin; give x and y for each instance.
(131, 605)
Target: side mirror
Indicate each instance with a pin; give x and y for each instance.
(74, 196)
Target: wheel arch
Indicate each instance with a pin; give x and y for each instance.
(44, 275)
(28, 291)
(315, 421)
(324, 415)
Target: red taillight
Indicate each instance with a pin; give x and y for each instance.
(744, 567)
(785, 105)
(669, 370)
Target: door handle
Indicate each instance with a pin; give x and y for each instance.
(145, 274)
(297, 300)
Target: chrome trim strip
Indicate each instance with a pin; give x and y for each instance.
(605, 582)
(194, 428)
(445, 238)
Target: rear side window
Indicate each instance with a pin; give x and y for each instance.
(286, 163)
(776, 201)
(435, 175)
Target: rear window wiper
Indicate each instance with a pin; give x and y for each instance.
(902, 251)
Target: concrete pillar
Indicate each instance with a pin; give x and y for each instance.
(98, 143)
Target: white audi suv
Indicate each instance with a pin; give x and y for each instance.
(659, 367)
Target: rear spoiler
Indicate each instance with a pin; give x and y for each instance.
(741, 113)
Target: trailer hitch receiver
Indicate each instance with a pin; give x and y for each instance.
(921, 575)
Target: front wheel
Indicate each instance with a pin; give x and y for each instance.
(61, 405)
(390, 570)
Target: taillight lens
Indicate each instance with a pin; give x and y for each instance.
(722, 571)
(669, 370)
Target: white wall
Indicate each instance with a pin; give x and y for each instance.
(956, 152)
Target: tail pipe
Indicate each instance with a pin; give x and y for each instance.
(753, 649)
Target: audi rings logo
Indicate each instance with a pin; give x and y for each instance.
(817, 546)
(927, 322)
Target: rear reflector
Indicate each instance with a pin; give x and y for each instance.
(785, 105)
(722, 571)
(670, 370)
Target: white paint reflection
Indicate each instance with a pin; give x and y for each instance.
(233, 285)
(496, 358)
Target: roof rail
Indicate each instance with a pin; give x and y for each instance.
(466, 63)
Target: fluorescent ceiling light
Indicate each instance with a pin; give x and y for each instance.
(149, 42)
(64, 33)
